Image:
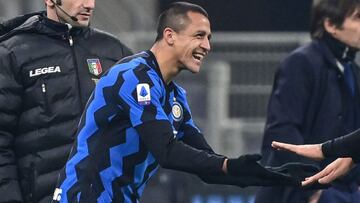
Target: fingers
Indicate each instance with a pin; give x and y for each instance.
(284, 146)
(327, 179)
(312, 151)
(308, 181)
(337, 168)
(325, 176)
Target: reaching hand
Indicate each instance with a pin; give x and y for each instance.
(247, 168)
(312, 151)
(247, 165)
(337, 168)
(246, 171)
(297, 170)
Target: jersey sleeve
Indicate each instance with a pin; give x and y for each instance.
(191, 134)
(187, 127)
(141, 94)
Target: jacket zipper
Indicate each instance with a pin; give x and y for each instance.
(31, 183)
(43, 90)
(71, 43)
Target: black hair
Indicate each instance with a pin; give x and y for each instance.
(176, 18)
(334, 10)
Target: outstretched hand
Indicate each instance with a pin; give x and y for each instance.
(249, 172)
(247, 167)
(337, 168)
(312, 151)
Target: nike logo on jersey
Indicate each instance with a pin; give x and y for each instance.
(45, 70)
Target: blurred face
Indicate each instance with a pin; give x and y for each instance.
(81, 9)
(192, 44)
(349, 32)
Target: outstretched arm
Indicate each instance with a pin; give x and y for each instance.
(312, 151)
(345, 146)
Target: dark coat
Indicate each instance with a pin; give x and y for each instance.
(307, 105)
(45, 81)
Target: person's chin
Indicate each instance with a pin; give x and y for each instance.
(82, 23)
(194, 69)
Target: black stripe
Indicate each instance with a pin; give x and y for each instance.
(129, 163)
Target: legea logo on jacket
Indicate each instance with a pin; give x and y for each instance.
(45, 70)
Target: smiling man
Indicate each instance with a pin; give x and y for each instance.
(138, 118)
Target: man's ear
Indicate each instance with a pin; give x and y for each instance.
(330, 27)
(169, 35)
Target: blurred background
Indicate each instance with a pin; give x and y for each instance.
(229, 97)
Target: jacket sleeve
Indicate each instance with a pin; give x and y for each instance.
(345, 146)
(287, 108)
(10, 105)
(10, 24)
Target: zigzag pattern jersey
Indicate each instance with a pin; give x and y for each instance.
(110, 161)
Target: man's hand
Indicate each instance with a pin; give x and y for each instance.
(337, 168)
(247, 167)
(312, 151)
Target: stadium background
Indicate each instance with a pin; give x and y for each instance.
(229, 97)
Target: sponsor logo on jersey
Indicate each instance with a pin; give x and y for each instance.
(57, 194)
(177, 111)
(45, 70)
(94, 66)
(143, 94)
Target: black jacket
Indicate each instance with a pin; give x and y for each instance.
(308, 104)
(47, 73)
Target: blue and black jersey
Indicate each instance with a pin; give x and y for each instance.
(133, 122)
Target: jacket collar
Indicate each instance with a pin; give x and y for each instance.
(341, 51)
(39, 23)
(334, 55)
(52, 27)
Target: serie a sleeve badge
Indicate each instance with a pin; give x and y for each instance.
(143, 94)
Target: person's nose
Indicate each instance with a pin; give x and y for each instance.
(89, 4)
(205, 44)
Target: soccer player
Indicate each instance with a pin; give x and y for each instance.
(138, 118)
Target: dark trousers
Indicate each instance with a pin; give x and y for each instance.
(336, 194)
(340, 194)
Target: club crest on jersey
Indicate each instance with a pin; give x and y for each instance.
(177, 111)
(94, 66)
(143, 94)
